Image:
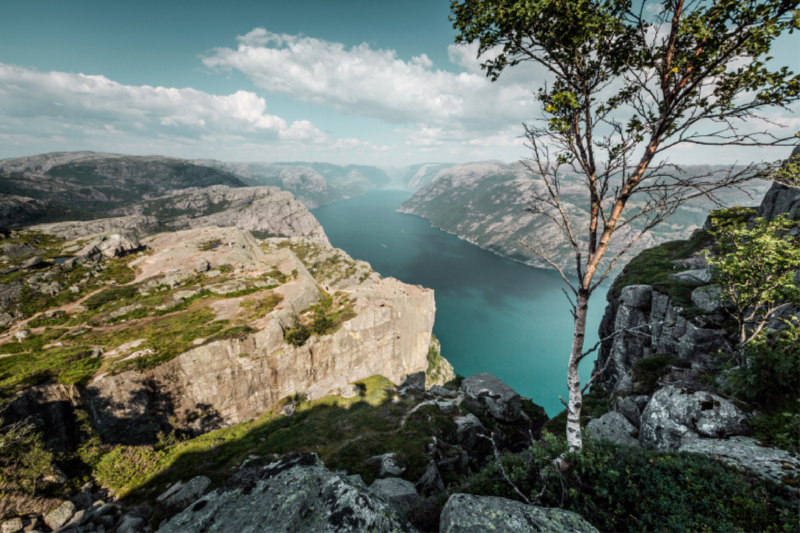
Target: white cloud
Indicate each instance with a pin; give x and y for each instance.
(376, 83)
(42, 104)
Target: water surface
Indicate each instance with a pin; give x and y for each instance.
(492, 314)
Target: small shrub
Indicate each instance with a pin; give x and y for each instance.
(114, 294)
(648, 371)
(298, 335)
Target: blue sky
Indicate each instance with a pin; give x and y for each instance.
(370, 82)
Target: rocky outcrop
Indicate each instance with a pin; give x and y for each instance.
(771, 463)
(502, 401)
(782, 198)
(675, 416)
(296, 494)
(229, 381)
(465, 513)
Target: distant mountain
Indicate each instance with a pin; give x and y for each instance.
(83, 184)
(314, 184)
(418, 176)
(484, 203)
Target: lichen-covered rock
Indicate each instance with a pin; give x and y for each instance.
(615, 427)
(60, 515)
(629, 408)
(297, 494)
(709, 299)
(188, 492)
(386, 465)
(465, 513)
(674, 416)
(131, 524)
(400, 493)
(11, 526)
(502, 401)
(745, 452)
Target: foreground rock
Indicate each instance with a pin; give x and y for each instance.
(674, 416)
(615, 427)
(745, 452)
(297, 494)
(465, 513)
(502, 401)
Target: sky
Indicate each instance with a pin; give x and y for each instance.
(340, 81)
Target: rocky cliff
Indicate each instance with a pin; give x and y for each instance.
(209, 309)
(484, 203)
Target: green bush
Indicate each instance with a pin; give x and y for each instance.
(114, 294)
(621, 488)
(298, 335)
(647, 371)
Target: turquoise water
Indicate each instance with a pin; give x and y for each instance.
(492, 314)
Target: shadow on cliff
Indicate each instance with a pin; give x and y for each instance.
(344, 436)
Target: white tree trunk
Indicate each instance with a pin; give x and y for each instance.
(574, 437)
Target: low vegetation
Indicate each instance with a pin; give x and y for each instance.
(323, 318)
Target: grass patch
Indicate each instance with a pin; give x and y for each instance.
(654, 265)
(327, 316)
(65, 364)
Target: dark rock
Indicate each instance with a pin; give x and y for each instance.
(709, 299)
(502, 401)
(296, 494)
(431, 481)
(465, 513)
(415, 382)
(629, 408)
(438, 390)
(188, 492)
(51, 409)
(131, 524)
(615, 427)
(468, 434)
(401, 494)
(33, 262)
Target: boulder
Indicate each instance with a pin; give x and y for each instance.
(431, 481)
(188, 492)
(674, 416)
(11, 526)
(296, 494)
(60, 515)
(386, 465)
(415, 381)
(131, 524)
(709, 299)
(469, 431)
(202, 265)
(465, 513)
(629, 408)
(446, 407)
(33, 262)
(745, 452)
(438, 390)
(118, 244)
(227, 287)
(615, 427)
(637, 296)
(502, 401)
(699, 276)
(401, 494)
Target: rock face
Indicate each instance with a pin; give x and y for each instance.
(400, 493)
(230, 381)
(502, 401)
(140, 225)
(296, 494)
(675, 416)
(781, 198)
(771, 463)
(464, 513)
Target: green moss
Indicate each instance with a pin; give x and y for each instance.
(648, 371)
(65, 364)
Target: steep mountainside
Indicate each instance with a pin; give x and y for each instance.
(418, 176)
(484, 204)
(314, 184)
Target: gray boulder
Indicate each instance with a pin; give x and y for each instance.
(709, 299)
(438, 390)
(202, 265)
(60, 515)
(629, 408)
(415, 381)
(465, 513)
(615, 427)
(637, 296)
(131, 524)
(502, 401)
(386, 465)
(693, 277)
(745, 452)
(674, 416)
(296, 494)
(11, 526)
(431, 481)
(33, 262)
(401, 494)
(468, 432)
(118, 244)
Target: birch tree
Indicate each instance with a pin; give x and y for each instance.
(629, 83)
